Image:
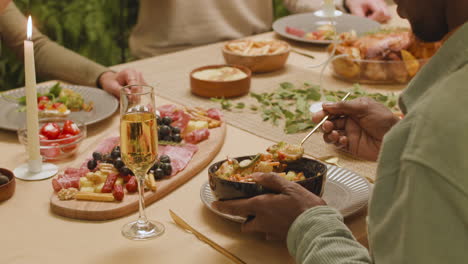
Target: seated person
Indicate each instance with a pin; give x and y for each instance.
(56, 62)
(418, 211)
(165, 26)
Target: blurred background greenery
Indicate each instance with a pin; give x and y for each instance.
(97, 29)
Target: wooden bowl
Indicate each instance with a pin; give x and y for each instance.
(314, 171)
(258, 63)
(8, 189)
(225, 89)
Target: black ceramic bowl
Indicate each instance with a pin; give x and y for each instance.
(314, 171)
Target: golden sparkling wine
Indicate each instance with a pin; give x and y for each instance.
(139, 141)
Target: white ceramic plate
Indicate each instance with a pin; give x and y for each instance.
(345, 191)
(310, 22)
(104, 106)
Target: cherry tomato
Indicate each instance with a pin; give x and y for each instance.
(67, 141)
(50, 130)
(56, 105)
(43, 99)
(69, 127)
(51, 153)
(42, 138)
(41, 106)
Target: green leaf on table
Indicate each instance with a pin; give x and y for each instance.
(225, 104)
(240, 105)
(287, 85)
(301, 105)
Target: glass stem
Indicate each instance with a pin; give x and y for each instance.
(142, 220)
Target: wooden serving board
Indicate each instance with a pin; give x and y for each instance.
(92, 210)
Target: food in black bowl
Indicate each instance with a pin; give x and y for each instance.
(231, 178)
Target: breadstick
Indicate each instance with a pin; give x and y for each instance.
(102, 197)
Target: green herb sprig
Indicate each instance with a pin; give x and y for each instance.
(290, 104)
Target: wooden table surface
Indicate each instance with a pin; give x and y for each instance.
(30, 233)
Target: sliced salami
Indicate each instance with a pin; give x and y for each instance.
(108, 144)
(180, 155)
(197, 136)
(179, 118)
(214, 113)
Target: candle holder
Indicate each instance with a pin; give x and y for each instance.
(35, 170)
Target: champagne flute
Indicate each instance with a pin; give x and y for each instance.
(139, 150)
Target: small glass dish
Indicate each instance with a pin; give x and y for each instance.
(376, 71)
(56, 149)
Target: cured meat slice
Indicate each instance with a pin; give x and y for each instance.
(197, 136)
(180, 155)
(64, 182)
(179, 118)
(214, 113)
(295, 31)
(108, 144)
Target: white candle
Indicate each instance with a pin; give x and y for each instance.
(35, 159)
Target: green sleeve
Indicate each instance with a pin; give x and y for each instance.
(52, 60)
(320, 236)
(426, 221)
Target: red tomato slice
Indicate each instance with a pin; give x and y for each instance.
(56, 105)
(43, 99)
(70, 128)
(51, 153)
(67, 141)
(50, 130)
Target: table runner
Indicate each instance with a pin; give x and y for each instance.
(171, 79)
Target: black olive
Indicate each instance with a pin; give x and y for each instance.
(164, 159)
(115, 154)
(118, 163)
(175, 130)
(167, 138)
(92, 164)
(167, 168)
(164, 131)
(124, 171)
(97, 156)
(158, 173)
(158, 120)
(155, 166)
(166, 120)
(107, 159)
(3, 179)
(176, 138)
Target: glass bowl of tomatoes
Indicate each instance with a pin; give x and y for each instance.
(59, 137)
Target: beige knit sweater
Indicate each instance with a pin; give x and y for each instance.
(169, 25)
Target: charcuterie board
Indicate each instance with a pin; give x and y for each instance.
(93, 210)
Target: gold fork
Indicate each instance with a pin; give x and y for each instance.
(182, 224)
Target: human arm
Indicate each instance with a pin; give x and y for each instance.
(373, 9)
(315, 233)
(302, 6)
(359, 126)
(55, 62)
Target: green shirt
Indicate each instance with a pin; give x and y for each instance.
(419, 209)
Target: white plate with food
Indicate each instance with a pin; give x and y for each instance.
(231, 178)
(87, 104)
(313, 29)
(345, 191)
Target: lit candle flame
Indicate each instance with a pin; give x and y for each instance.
(29, 31)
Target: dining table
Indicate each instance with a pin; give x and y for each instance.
(31, 233)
